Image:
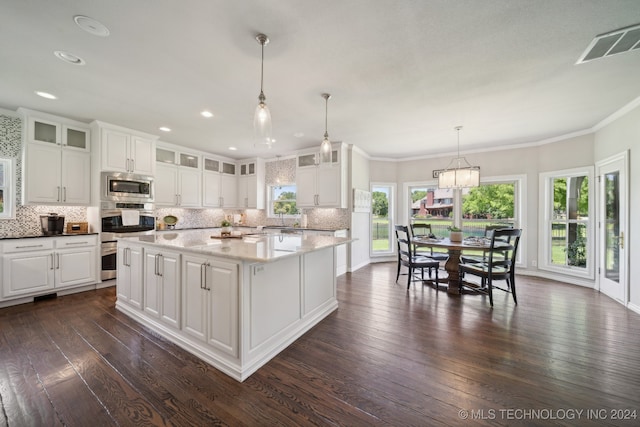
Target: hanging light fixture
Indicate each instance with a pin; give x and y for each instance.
(325, 147)
(262, 117)
(459, 173)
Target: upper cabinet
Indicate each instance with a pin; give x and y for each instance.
(251, 184)
(57, 162)
(219, 183)
(178, 178)
(125, 150)
(319, 184)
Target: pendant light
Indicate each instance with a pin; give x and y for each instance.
(459, 173)
(325, 147)
(262, 117)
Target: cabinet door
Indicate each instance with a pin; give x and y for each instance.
(75, 138)
(243, 191)
(166, 185)
(152, 283)
(143, 156)
(115, 151)
(76, 177)
(189, 188)
(169, 266)
(306, 187)
(194, 301)
(43, 169)
(328, 186)
(229, 191)
(129, 280)
(44, 131)
(75, 266)
(27, 272)
(211, 189)
(223, 306)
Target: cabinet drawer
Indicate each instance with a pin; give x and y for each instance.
(76, 242)
(27, 245)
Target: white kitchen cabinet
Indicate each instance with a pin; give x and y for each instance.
(219, 184)
(251, 184)
(177, 186)
(321, 185)
(210, 302)
(57, 162)
(162, 286)
(125, 150)
(129, 274)
(31, 266)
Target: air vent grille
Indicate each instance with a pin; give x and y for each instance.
(612, 43)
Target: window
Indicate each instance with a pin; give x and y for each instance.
(488, 205)
(567, 243)
(282, 201)
(7, 194)
(431, 205)
(382, 208)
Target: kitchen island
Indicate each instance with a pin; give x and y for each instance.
(235, 302)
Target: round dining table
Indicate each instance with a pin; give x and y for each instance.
(454, 250)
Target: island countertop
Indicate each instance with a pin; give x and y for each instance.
(248, 247)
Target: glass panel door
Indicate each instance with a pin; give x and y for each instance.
(612, 226)
(382, 237)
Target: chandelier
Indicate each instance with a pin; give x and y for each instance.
(459, 173)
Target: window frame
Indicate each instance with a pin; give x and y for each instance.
(546, 180)
(390, 216)
(8, 189)
(270, 200)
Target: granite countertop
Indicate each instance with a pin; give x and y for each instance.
(267, 227)
(31, 235)
(245, 247)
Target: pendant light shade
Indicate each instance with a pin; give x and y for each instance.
(325, 147)
(262, 116)
(459, 173)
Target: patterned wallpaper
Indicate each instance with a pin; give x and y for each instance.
(27, 217)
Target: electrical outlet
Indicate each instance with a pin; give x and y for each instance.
(534, 263)
(257, 269)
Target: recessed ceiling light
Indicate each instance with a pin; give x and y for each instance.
(91, 26)
(165, 129)
(45, 95)
(298, 134)
(232, 148)
(207, 114)
(69, 57)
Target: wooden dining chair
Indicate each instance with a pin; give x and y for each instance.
(407, 258)
(424, 230)
(499, 265)
(488, 232)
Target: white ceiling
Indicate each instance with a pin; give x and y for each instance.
(402, 73)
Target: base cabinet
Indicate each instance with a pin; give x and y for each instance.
(34, 266)
(210, 302)
(162, 286)
(129, 275)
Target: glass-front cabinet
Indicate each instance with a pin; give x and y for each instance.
(46, 131)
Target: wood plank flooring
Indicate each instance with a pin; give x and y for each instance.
(387, 356)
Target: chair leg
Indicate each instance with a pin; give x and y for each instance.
(409, 274)
(490, 291)
(398, 272)
(512, 284)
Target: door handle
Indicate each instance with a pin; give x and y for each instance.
(57, 261)
(52, 265)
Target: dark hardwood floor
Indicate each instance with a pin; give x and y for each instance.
(387, 356)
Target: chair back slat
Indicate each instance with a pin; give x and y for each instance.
(504, 241)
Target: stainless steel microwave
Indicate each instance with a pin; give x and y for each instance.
(126, 187)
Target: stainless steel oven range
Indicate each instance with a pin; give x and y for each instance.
(121, 219)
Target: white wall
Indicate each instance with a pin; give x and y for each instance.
(359, 177)
(616, 137)
(528, 161)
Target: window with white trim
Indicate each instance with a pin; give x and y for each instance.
(7, 193)
(567, 230)
(282, 201)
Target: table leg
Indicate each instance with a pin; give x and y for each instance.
(452, 270)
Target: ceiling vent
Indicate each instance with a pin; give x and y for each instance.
(611, 43)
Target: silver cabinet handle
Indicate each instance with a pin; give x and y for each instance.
(28, 246)
(57, 261)
(203, 275)
(133, 165)
(64, 194)
(126, 253)
(160, 264)
(51, 261)
(74, 243)
(58, 197)
(155, 267)
(127, 166)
